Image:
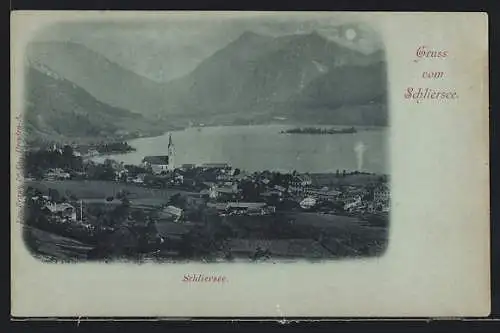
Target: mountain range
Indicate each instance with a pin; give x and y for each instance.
(58, 110)
(259, 77)
(254, 79)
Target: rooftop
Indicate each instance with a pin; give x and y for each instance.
(246, 204)
(226, 189)
(172, 210)
(59, 207)
(157, 160)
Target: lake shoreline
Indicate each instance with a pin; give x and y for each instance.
(262, 147)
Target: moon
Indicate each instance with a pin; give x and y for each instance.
(350, 34)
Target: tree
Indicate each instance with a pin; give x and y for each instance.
(54, 195)
(177, 200)
(250, 190)
(67, 151)
(125, 201)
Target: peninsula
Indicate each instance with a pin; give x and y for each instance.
(314, 130)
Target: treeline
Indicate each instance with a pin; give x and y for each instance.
(114, 147)
(37, 162)
(314, 130)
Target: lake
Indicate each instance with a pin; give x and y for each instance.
(262, 147)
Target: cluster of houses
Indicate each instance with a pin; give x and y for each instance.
(221, 185)
(62, 212)
(366, 200)
(57, 174)
(225, 190)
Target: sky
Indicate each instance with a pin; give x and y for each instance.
(171, 46)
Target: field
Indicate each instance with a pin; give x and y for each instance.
(339, 236)
(51, 246)
(291, 234)
(95, 189)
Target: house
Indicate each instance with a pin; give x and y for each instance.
(223, 176)
(121, 174)
(42, 198)
(55, 148)
(299, 184)
(224, 192)
(220, 206)
(205, 193)
(158, 164)
(92, 152)
(63, 210)
(280, 188)
(308, 203)
(57, 174)
(352, 203)
(188, 166)
(272, 196)
(246, 208)
(301, 180)
(178, 179)
(241, 176)
(139, 179)
(323, 194)
(381, 193)
(172, 213)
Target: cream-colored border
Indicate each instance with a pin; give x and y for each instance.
(437, 263)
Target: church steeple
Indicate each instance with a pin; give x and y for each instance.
(170, 144)
(171, 153)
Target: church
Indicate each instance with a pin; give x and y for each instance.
(162, 164)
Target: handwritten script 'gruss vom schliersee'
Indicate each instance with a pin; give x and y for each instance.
(418, 94)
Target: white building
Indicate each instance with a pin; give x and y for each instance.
(161, 164)
(158, 164)
(352, 203)
(57, 174)
(308, 203)
(216, 192)
(172, 213)
(63, 210)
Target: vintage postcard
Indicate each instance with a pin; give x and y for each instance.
(241, 164)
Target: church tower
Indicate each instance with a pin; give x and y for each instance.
(171, 154)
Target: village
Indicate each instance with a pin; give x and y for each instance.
(213, 211)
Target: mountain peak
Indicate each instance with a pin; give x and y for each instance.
(251, 35)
